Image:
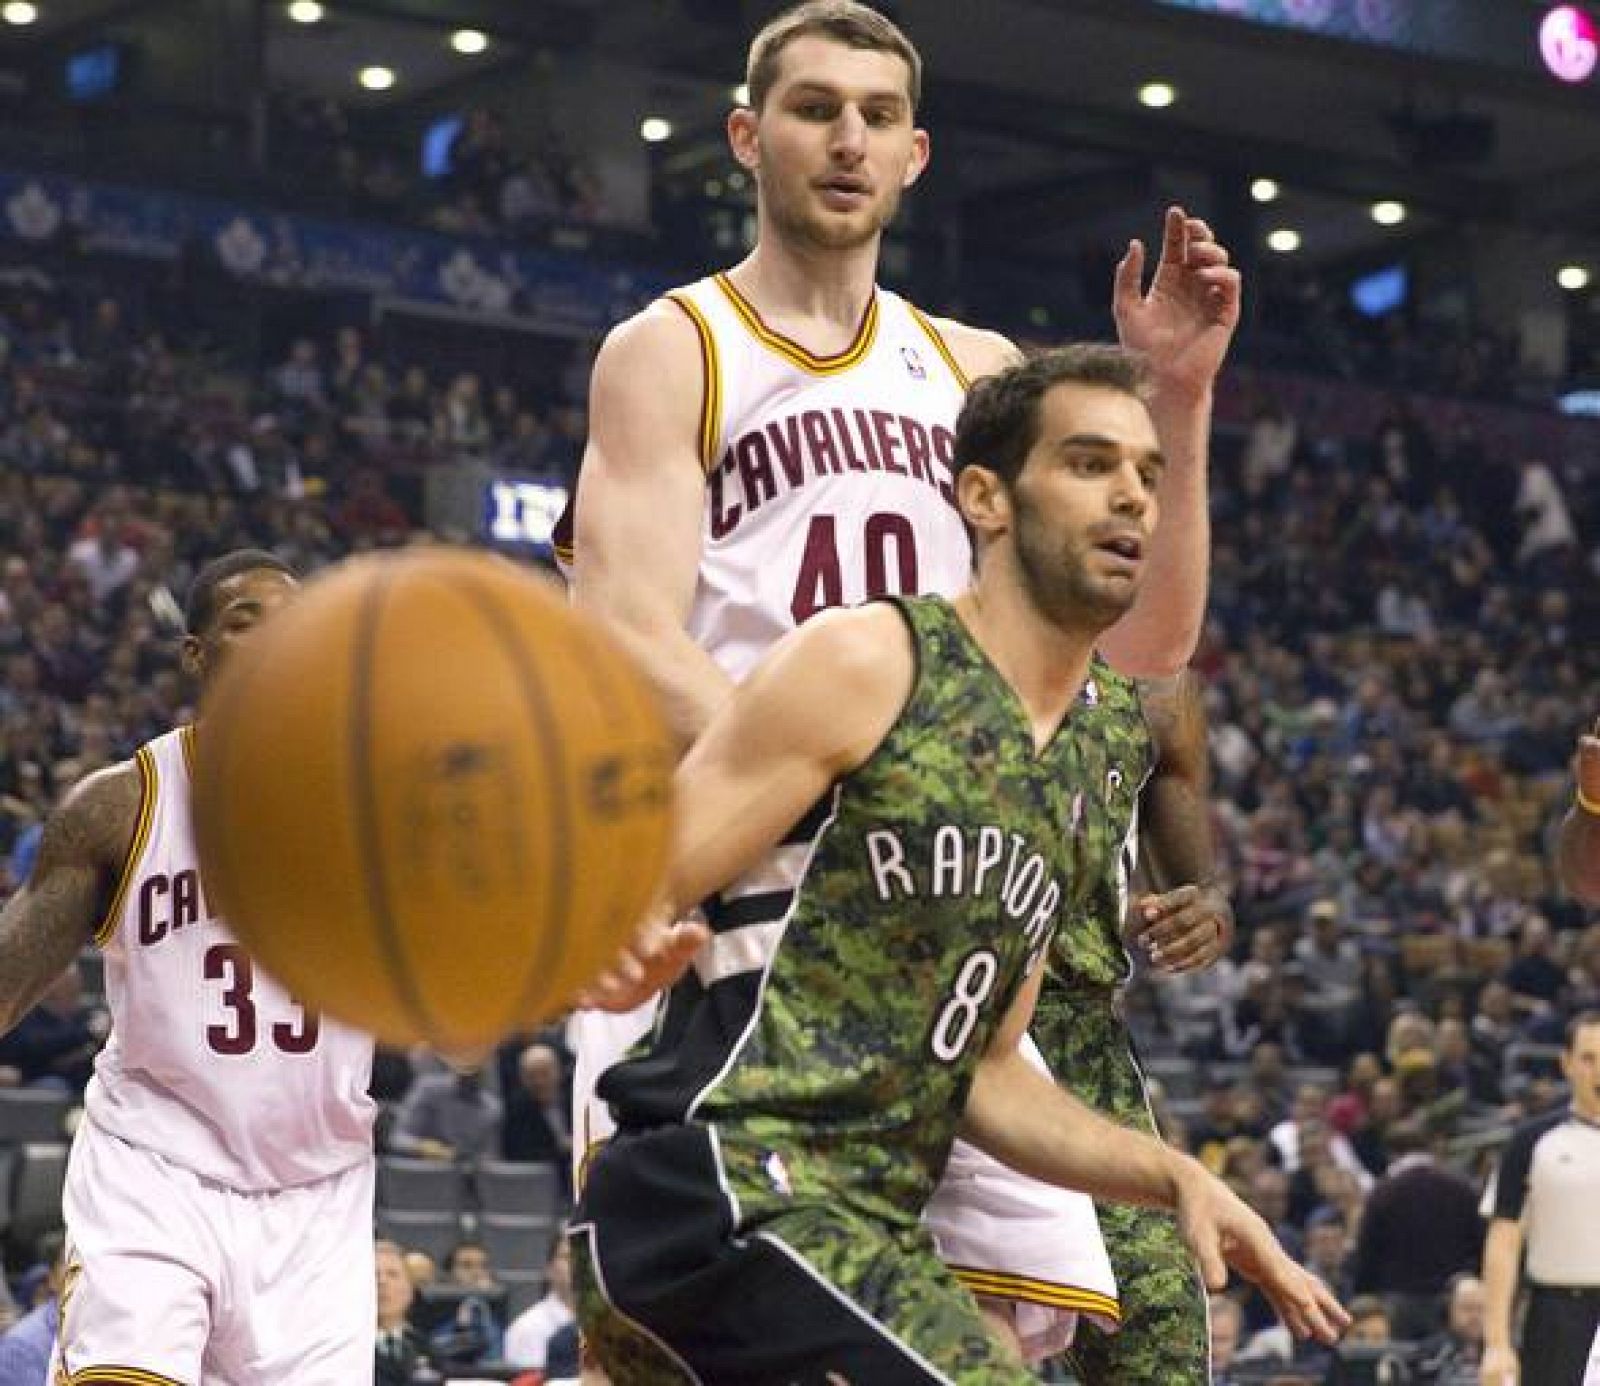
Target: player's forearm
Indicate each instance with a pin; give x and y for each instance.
(34, 951)
(1502, 1255)
(1024, 1120)
(1157, 638)
(1176, 827)
(1578, 854)
(689, 683)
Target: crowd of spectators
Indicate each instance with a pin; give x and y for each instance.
(486, 182)
(1394, 679)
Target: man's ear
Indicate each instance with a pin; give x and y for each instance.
(743, 139)
(984, 501)
(192, 656)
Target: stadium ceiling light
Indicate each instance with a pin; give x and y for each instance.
(376, 78)
(1157, 95)
(20, 12)
(306, 12)
(741, 94)
(1285, 240)
(1265, 190)
(469, 41)
(1389, 213)
(1573, 278)
(655, 129)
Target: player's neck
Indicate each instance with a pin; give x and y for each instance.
(830, 288)
(1044, 663)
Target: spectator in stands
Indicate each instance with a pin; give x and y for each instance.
(25, 1346)
(1452, 1357)
(1421, 1227)
(369, 514)
(298, 385)
(55, 1043)
(1227, 1327)
(528, 1338)
(473, 1333)
(399, 1347)
(1328, 1249)
(448, 1115)
(1547, 528)
(538, 1128)
(1535, 977)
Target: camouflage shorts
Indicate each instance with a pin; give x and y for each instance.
(671, 1291)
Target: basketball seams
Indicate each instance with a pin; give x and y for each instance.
(550, 945)
(364, 806)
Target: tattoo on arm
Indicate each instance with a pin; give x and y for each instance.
(53, 916)
(1177, 813)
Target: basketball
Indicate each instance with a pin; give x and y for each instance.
(430, 797)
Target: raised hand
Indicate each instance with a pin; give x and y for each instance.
(1186, 320)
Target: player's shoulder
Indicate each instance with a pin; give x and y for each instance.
(661, 328)
(861, 643)
(978, 350)
(96, 816)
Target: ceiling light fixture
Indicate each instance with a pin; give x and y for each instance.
(1265, 190)
(376, 77)
(1157, 95)
(1285, 240)
(469, 41)
(655, 129)
(1389, 213)
(306, 12)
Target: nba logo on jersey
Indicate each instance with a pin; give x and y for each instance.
(1113, 781)
(913, 363)
(1091, 694)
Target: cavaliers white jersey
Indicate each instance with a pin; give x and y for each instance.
(828, 481)
(828, 478)
(210, 1062)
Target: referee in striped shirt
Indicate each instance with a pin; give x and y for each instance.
(1545, 1198)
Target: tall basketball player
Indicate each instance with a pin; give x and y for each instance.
(219, 1193)
(756, 1218)
(776, 440)
(1578, 849)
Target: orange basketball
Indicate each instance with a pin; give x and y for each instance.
(430, 797)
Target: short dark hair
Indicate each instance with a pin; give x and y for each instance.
(465, 1244)
(844, 21)
(200, 607)
(1582, 1021)
(999, 423)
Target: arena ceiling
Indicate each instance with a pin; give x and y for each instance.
(1032, 104)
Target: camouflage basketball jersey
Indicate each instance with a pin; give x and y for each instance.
(1088, 953)
(837, 1069)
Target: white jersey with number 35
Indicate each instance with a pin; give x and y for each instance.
(828, 478)
(210, 1062)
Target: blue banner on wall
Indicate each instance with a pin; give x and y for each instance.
(480, 276)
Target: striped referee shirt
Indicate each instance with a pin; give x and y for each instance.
(1548, 1179)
